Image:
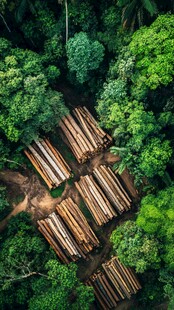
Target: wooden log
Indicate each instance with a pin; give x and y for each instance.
(88, 203)
(78, 129)
(53, 244)
(46, 152)
(59, 156)
(122, 190)
(34, 163)
(107, 289)
(57, 161)
(109, 191)
(45, 166)
(82, 122)
(121, 194)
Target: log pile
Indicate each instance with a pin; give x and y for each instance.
(68, 232)
(96, 201)
(84, 137)
(113, 189)
(114, 284)
(48, 162)
(104, 292)
(77, 224)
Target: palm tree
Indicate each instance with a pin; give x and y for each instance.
(66, 11)
(133, 11)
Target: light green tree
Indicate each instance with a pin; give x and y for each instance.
(27, 103)
(135, 248)
(153, 48)
(156, 217)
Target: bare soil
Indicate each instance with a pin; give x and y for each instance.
(38, 201)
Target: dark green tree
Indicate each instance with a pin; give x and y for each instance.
(4, 204)
(84, 55)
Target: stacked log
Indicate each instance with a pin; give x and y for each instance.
(96, 201)
(103, 290)
(84, 137)
(113, 189)
(122, 278)
(77, 224)
(114, 284)
(48, 162)
(68, 233)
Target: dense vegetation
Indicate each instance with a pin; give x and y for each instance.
(32, 280)
(120, 53)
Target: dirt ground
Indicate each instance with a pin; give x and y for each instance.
(38, 201)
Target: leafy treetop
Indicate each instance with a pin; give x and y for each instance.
(153, 47)
(27, 103)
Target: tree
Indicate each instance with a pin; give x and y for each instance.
(156, 217)
(133, 11)
(4, 204)
(84, 55)
(135, 131)
(27, 103)
(153, 48)
(31, 277)
(135, 248)
(154, 157)
(167, 279)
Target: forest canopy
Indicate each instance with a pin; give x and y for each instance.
(115, 57)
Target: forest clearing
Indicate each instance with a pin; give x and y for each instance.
(86, 154)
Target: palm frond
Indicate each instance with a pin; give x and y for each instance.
(20, 12)
(150, 6)
(128, 13)
(31, 7)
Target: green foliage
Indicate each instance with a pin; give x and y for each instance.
(135, 248)
(55, 291)
(4, 204)
(133, 11)
(4, 153)
(156, 217)
(81, 16)
(153, 48)
(154, 157)
(57, 192)
(31, 277)
(27, 103)
(84, 55)
(112, 91)
(135, 135)
(3, 4)
(152, 292)
(111, 34)
(167, 278)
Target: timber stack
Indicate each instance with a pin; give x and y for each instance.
(113, 188)
(95, 200)
(77, 224)
(68, 232)
(48, 162)
(85, 138)
(114, 284)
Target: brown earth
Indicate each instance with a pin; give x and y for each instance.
(38, 201)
